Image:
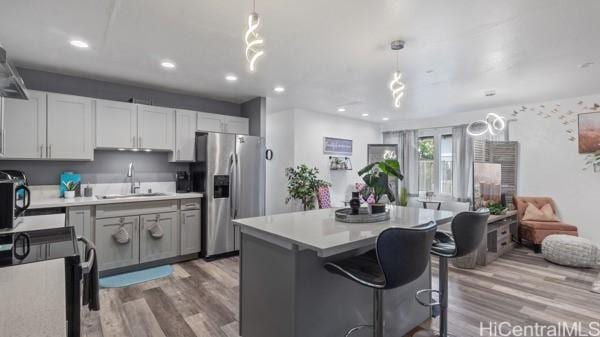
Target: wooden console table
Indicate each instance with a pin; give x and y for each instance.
(501, 230)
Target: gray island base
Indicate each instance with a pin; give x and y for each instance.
(286, 292)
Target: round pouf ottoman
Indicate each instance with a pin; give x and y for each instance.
(572, 251)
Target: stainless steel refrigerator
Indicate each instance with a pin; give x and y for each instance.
(230, 171)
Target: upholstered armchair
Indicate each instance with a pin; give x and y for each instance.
(536, 231)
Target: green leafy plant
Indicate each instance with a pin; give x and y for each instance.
(70, 185)
(376, 177)
(496, 208)
(303, 184)
(404, 196)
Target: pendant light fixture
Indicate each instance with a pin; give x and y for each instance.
(396, 85)
(492, 124)
(254, 43)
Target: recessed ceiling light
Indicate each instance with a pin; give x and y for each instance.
(79, 44)
(279, 89)
(167, 64)
(385, 119)
(490, 93)
(231, 78)
(134, 150)
(365, 115)
(341, 109)
(148, 150)
(586, 65)
(121, 149)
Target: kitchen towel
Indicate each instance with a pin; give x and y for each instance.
(91, 283)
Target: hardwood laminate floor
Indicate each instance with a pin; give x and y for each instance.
(200, 299)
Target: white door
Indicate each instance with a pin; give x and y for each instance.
(237, 125)
(116, 125)
(70, 127)
(156, 128)
(25, 127)
(209, 122)
(185, 131)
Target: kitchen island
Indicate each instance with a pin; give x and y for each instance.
(285, 291)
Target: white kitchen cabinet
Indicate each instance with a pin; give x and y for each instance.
(209, 122)
(162, 244)
(237, 125)
(81, 219)
(221, 123)
(116, 125)
(70, 127)
(185, 132)
(24, 135)
(190, 232)
(156, 128)
(111, 252)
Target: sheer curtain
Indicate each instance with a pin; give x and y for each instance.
(409, 163)
(462, 157)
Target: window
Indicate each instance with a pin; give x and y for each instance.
(435, 161)
(426, 164)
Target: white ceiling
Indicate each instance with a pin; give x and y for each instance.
(327, 54)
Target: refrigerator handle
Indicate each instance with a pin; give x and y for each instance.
(237, 186)
(231, 185)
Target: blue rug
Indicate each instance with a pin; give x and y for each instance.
(127, 279)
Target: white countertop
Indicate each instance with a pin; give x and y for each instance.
(319, 231)
(83, 201)
(36, 222)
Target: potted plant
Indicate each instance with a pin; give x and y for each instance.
(376, 177)
(496, 208)
(303, 184)
(70, 188)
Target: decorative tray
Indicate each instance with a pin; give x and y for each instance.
(363, 216)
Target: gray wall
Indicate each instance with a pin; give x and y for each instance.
(107, 167)
(71, 85)
(255, 110)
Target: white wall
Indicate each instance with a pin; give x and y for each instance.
(296, 137)
(549, 163)
(280, 139)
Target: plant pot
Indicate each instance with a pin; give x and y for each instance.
(377, 208)
(69, 194)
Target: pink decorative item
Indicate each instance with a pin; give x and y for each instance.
(323, 197)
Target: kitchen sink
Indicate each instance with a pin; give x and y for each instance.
(125, 196)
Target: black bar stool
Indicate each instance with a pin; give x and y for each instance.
(400, 257)
(468, 229)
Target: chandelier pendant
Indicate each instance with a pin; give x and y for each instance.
(397, 88)
(493, 124)
(396, 85)
(254, 43)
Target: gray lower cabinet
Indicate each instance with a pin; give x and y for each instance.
(117, 242)
(190, 232)
(159, 236)
(81, 219)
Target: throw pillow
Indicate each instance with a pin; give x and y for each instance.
(549, 213)
(535, 214)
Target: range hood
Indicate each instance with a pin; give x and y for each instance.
(11, 83)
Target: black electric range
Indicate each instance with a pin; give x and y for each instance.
(26, 247)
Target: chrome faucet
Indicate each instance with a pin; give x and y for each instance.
(131, 174)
